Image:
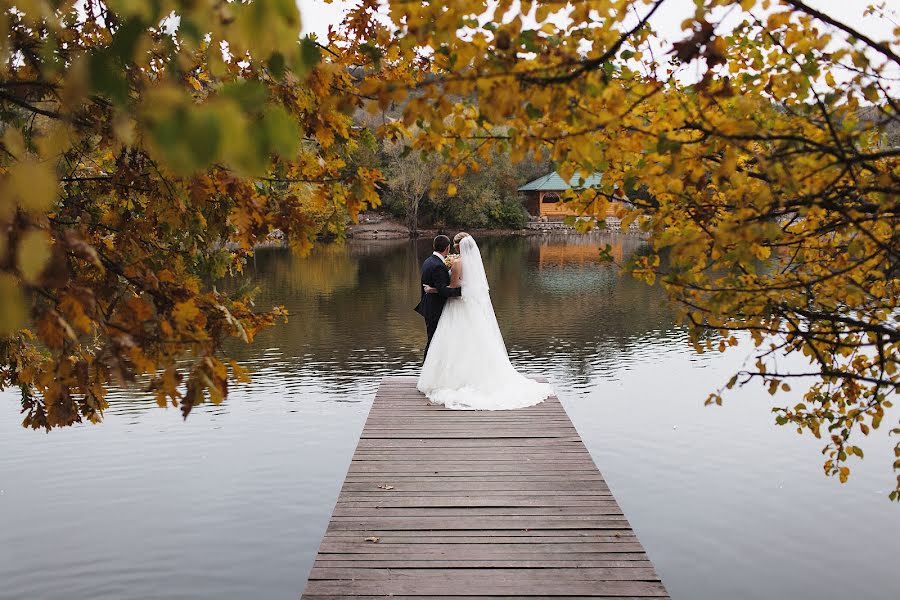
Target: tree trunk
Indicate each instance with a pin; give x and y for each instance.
(412, 217)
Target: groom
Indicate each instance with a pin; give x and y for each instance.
(436, 274)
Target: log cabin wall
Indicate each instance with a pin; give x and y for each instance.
(547, 204)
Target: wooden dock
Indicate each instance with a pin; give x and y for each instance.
(445, 504)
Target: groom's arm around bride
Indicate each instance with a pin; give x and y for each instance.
(441, 283)
(436, 274)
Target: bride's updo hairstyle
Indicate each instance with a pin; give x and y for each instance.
(459, 237)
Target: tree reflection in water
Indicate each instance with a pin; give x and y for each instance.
(562, 311)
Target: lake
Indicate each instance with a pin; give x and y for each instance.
(233, 502)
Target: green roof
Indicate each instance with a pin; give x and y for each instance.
(552, 182)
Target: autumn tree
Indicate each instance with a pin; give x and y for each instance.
(773, 211)
(409, 176)
(146, 147)
(482, 195)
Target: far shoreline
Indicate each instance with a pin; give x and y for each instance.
(378, 226)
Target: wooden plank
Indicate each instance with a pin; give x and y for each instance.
(386, 501)
(508, 466)
(589, 573)
(433, 597)
(447, 504)
(496, 481)
(472, 551)
(414, 442)
(467, 597)
(451, 454)
(391, 500)
(394, 434)
(471, 511)
(510, 522)
(481, 476)
(378, 416)
(488, 586)
(474, 484)
(373, 489)
(437, 537)
(373, 493)
(563, 558)
(431, 420)
(622, 561)
(573, 534)
(471, 455)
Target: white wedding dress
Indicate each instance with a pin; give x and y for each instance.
(467, 367)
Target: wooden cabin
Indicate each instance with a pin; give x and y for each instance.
(543, 196)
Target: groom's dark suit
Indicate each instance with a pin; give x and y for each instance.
(436, 274)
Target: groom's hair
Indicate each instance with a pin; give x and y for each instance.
(441, 243)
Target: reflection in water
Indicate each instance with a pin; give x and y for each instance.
(233, 502)
(556, 302)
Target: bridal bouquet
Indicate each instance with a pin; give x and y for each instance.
(450, 259)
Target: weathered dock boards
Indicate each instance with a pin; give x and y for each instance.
(444, 504)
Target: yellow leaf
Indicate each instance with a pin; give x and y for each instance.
(33, 185)
(451, 190)
(12, 317)
(141, 310)
(14, 142)
(33, 254)
(55, 140)
(777, 20)
(74, 313)
(53, 329)
(185, 312)
(241, 374)
(166, 328)
(843, 474)
(170, 381)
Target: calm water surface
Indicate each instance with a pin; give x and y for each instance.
(233, 502)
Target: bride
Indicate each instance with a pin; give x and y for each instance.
(467, 367)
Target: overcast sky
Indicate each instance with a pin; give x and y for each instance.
(317, 15)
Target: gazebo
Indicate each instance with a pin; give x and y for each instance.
(543, 196)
